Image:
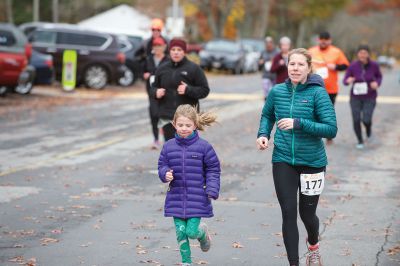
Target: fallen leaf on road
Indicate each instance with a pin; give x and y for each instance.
(19, 246)
(141, 252)
(166, 247)
(74, 197)
(86, 245)
(279, 234)
(45, 241)
(393, 251)
(201, 262)
(57, 231)
(18, 259)
(80, 207)
(253, 238)
(31, 262)
(237, 245)
(124, 243)
(96, 226)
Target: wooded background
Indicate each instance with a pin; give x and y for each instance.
(373, 22)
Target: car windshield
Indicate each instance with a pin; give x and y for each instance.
(257, 45)
(223, 46)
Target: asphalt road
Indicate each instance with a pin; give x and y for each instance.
(78, 182)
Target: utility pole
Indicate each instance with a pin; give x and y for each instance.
(10, 17)
(36, 10)
(55, 11)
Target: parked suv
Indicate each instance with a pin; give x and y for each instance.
(99, 59)
(223, 54)
(15, 74)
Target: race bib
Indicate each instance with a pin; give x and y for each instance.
(323, 72)
(268, 65)
(312, 184)
(151, 80)
(360, 88)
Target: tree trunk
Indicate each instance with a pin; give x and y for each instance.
(10, 17)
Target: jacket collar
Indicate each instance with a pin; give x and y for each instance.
(312, 80)
(177, 64)
(187, 141)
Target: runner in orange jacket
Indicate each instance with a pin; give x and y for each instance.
(328, 60)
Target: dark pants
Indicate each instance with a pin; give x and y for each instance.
(154, 123)
(169, 131)
(332, 96)
(287, 183)
(362, 111)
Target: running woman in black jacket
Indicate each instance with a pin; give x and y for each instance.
(178, 81)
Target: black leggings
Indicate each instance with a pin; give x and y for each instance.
(169, 131)
(362, 110)
(287, 183)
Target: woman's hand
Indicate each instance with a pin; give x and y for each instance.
(262, 143)
(146, 75)
(169, 176)
(160, 93)
(350, 80)
(286, 123)
(182, 88)
(374, 85)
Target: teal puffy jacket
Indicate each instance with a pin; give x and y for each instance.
(309, 104)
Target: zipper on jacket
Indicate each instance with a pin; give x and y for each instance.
(184, 181)
(291, 116)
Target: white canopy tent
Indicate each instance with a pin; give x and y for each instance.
(122, 19)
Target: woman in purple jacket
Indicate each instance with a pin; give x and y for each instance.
(365, 78)
(191, 166)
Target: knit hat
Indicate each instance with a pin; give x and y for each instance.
(158, 41)
(177, 42)
(363, 47)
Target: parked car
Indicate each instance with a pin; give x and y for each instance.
(223, 54)
(99, 61)
(129, 46)
(44, 67)
(15, 51)
(253, 48)
(386, 61)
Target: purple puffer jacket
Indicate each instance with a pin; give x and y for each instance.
(196, 171)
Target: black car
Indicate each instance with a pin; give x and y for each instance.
(99, 61)
(223, 54)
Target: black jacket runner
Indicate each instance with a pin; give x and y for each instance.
(169, 76)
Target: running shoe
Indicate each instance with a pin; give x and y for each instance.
(206, 243)
(360, 146)
(313, 257)
(155, 145)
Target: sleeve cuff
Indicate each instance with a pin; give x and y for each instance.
(296, 123)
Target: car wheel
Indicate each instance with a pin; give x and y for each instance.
(96, 77)
(127, 79)
(24, 88)
(3, 90)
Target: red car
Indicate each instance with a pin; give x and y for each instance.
(15, 51)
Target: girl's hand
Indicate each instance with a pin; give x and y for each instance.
(374, 85)
(169, 176)
(262, 143)
(286, 123)
(350, 80)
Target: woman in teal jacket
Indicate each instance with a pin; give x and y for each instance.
(304, 114)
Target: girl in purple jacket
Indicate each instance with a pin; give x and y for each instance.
(191, 166)
(365, 77)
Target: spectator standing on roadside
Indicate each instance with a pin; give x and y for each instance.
(279, 63)
(265, 63)
(365, 77)
(156, 58)
(178, 81)
(328, 60)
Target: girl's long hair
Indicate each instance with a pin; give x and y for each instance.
(201, 120)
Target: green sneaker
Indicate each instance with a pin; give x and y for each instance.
(206, 244)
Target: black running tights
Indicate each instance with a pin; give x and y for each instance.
(287, 183)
